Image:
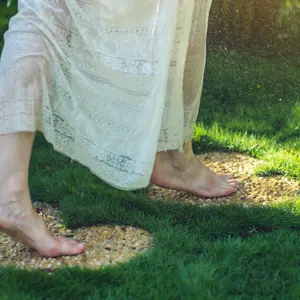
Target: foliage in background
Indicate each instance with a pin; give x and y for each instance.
(217, 252)
(245, 94)
(265, 26)
(269, 27)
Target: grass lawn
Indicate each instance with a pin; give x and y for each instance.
(250, 105)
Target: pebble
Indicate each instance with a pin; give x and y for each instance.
(127, 242)
(105, 245)
(252, 189)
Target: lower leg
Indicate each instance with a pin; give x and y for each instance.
(17, 215)
(184, 172)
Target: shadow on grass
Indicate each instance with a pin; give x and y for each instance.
(215, 252)
(219, 252)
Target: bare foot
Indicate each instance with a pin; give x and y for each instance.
(19, 220)
(192, 177)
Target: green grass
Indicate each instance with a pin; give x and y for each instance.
(5, 14)
(225, 252)
(252, 105)
(217, 252)
(280, 159)
(250, 94)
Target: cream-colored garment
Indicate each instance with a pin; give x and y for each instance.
(108, 82)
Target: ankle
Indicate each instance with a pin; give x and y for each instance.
(179, 160)
(188, 150)
(15, 184)
(15, 202)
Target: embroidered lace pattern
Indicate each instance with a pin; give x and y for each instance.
(108, 82)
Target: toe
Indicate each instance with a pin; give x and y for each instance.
(70, 247)
(227, 187)
(63, 246)
(228, 190)
(232, 183)
(226, 177)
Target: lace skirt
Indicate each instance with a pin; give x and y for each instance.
(108, 82)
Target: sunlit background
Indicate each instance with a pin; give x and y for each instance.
(252, 81)
(250, 115)
(252, 85)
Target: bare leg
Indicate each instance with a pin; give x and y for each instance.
(184, 172)
(17, 215)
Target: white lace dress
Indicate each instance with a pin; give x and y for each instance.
(108, 82)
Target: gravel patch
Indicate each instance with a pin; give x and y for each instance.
(110, 245)
(252, 189)
(105, 245)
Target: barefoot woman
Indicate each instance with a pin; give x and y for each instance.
(114, 85)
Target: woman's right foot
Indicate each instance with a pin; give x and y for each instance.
(191, 176)
(19, 220)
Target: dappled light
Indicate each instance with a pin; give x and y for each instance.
(114, 167)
